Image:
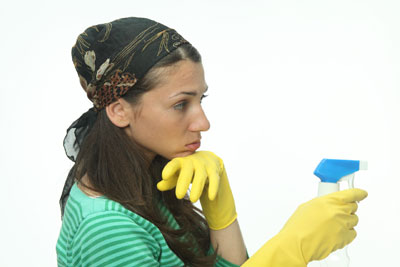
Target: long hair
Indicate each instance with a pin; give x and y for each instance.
(117, 168)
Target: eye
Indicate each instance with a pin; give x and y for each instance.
(180, 106)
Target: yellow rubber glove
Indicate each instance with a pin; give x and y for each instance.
(206, 172)
(317, 228)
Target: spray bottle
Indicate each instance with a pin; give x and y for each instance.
(332, 172)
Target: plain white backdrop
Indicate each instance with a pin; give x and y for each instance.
(290, 82)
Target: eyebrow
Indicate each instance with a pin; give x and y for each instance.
(191, 93)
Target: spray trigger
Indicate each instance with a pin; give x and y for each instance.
(350, 180)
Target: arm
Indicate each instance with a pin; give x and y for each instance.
(230, 243)
(210, 184)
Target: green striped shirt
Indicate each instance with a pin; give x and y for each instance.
(101, 232)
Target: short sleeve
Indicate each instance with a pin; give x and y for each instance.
(113, 239)
(221, 262)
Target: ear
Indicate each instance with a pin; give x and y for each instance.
(119, 113)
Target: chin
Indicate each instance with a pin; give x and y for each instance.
(183, 154)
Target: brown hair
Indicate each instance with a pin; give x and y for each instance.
(117, 168)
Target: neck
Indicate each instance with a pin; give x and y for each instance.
(86, 187)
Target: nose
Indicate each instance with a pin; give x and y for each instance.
(200, 122)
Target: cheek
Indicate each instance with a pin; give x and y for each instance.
(168, 130)
(153, 129)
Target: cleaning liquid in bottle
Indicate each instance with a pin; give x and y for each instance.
(332, 172)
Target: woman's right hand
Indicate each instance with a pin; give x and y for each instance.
(325, 224)
(317, 228)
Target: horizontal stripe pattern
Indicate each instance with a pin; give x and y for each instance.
(101, 232)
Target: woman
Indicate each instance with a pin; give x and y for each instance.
(139, 141)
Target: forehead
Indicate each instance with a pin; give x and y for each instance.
(184, 75)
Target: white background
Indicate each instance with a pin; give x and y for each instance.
(291, 82)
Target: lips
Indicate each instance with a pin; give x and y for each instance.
(193, 146)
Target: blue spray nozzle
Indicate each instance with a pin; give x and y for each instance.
(332, 170)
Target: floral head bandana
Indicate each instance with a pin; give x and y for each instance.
(111, 57)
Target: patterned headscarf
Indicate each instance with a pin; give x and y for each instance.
(110, 59)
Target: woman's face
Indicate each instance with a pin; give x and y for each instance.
(169, 119)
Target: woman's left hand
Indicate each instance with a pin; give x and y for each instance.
(206, 172)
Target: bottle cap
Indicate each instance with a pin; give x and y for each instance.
(332, 170)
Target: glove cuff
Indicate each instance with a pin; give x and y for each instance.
(279, 251)
(220, 226)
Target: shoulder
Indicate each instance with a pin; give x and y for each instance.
(114, 231)
(99, 231)
(111, 238)
(86, 214)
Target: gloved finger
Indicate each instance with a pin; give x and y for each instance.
(346, 238)
(199, 180)
(165, 185)
(213, 183)
(352, 221)
(172, 168)
(184, 179)
(350, 208)
(350, 236)
(351, 195)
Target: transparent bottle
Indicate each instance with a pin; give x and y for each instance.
(338, 258)
(332, 172)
